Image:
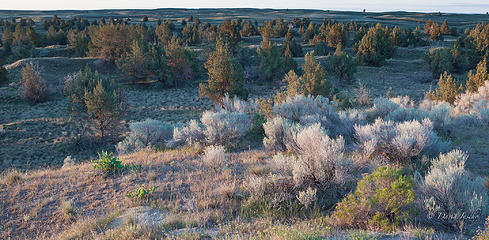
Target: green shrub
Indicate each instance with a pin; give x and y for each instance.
(141, 193)
(107, 162)
(383, 200)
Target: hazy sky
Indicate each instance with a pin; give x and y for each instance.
(461, 6)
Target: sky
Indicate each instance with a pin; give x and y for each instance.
(458, 6)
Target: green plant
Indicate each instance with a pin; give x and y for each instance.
(375, 47)
(34, 89)
(447, 91)
(383, 200)
(225, 76)
(107, 162)
(141, 193)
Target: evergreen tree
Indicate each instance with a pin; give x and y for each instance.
(164, 33)
(144, 60)
(341, 65)
(477, 79)
(448, 89)
(270, 65)
(109, 41)
(180, 63)
(314, 78)
(375, 47)
(78, 41)
(95, 102)
(225, 75)
(229, 32)
(289, 62)
(291, 44)
(444, 28)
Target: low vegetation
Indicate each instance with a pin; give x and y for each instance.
(197, 137)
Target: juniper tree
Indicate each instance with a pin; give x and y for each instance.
(225, 75)
(375, 46)
(314, 78)
(477, 78)
(95, 102)
(270, 66)
(291, 44)
(447, 91)
(164, 33)
(144, 60)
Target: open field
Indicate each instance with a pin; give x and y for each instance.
(257, 183)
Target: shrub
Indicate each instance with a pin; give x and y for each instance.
(397, 141)
(278, 133)
(223, 127)
(451, 196)
(141, 193)
(310, 110)
(483, 234)
(447, 90)
(319, 156)
(225, 76)
(214, 157)
(147, 133)
(474, 104)
(383, 200)
(33, 86)
(107, 162)
(307, 197)
(382, 107)
(190, 134)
